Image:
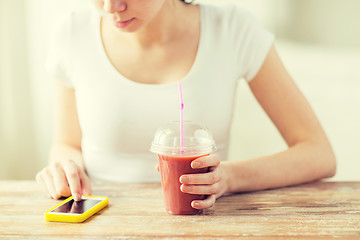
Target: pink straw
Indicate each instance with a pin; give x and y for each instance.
(181, 117)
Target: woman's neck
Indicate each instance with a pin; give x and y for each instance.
(172, 22)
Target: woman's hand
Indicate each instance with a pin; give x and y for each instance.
(212, 183)
(62, 179)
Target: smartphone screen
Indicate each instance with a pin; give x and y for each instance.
(76, 207)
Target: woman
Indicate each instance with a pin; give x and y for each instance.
(117, 72)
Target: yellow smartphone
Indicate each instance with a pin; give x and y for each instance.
(76, 211)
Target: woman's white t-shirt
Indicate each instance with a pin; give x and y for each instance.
(118, 117)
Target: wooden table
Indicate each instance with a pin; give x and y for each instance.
(320, 210)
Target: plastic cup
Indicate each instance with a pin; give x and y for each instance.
(175, 160)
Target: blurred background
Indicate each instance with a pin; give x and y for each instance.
(319, 42)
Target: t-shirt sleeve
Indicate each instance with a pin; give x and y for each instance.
(58, 57)
(252, 44)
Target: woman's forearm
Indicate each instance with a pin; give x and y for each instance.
(303, 162)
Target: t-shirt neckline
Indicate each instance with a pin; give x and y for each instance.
(122, 78)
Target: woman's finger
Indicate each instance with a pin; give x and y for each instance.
(203, 204)
(60, 181)
(202, 178)
(49, 183)
(212, 160)
(41, 182)
(72, 174)
(200, 189)
(85, 183)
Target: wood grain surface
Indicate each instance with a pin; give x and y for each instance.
(319, 210)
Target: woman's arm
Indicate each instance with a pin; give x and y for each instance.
(309, 156)
(65, 174)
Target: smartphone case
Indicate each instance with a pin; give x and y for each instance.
(76, 218)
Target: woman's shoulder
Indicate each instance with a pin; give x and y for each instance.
(228, 16)
(73, 21)
(224, 9)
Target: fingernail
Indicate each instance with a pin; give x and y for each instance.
(77, 197)
(183, 179)
(195, 164)
(196, 204)
(184, 188)
(57, 196)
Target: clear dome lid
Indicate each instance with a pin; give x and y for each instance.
(197, 140)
